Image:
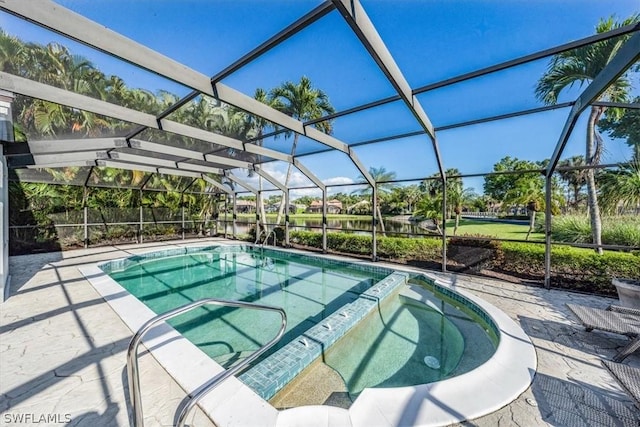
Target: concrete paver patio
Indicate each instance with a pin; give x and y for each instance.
(62, 352)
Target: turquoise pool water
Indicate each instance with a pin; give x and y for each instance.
(407, 342)
(308, 292)
(363, 320)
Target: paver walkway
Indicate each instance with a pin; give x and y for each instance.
(62, 352)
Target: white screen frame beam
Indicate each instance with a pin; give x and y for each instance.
(66, 22)
(357, 18)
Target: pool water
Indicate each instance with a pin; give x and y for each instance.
(366, 322)
(407, 342)
(385, 331)
(389, 348)
(308, 292)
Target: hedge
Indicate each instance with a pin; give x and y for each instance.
(569, 265)
(573, 268)
(388, 247)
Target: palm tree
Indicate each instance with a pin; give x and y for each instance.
(11, 53)
(457, 197)
(430, 207)
(529, 191)
(302, 102)
(412, 196)
(625, 128)
(140, 99)
(575, 178)
(236, 123)
(433, 186)
(580, 66)
(402, 199)
(621, 188)
(257, 125)
(205, 202)
(381, 178)
(55, 65)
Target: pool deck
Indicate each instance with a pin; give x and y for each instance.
(63, 351)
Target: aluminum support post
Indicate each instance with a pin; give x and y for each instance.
(374, 222)
(85, 214)
(182, 208)
(286, 218)
(5, 278)
(444, 223)
(324, 220)
(226, 207)
(234, 216)
(141, 224)
(547, 232)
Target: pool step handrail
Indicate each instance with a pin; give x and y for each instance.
(133, 373)
(275, 238)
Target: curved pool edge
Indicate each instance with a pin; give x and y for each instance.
(468, 396)
(481, 391)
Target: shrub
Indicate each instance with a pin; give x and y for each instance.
(279, 233)
(388, 247)
(475, 240)
(625, 233)
(349, 243)
(620, 230)
(306, 238)
(402, 247)
(571, 229)
(120, 232)
(570, 266)
(251, 233)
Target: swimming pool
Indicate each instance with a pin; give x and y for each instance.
(322, 299)
(307, 290)
(352, 303)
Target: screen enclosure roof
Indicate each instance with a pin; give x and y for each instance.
(194, 111)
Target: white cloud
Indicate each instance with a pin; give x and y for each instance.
(312, 192)
(337, 180)
(278, 170)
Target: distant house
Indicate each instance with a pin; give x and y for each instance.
(333, 206)
(315, 207)
(272, 208)
(276, 207)
(245, 206)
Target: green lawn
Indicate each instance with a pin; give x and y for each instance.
(494, 229)
(467, 226)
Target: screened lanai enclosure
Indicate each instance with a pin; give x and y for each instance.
(148, 121)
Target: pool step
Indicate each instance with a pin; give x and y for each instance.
(419, 294)
(319, 384)
(273, 373)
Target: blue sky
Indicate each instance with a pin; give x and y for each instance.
(430, 40)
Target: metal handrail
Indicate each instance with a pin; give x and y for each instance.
(132, 356)
(275, 238)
